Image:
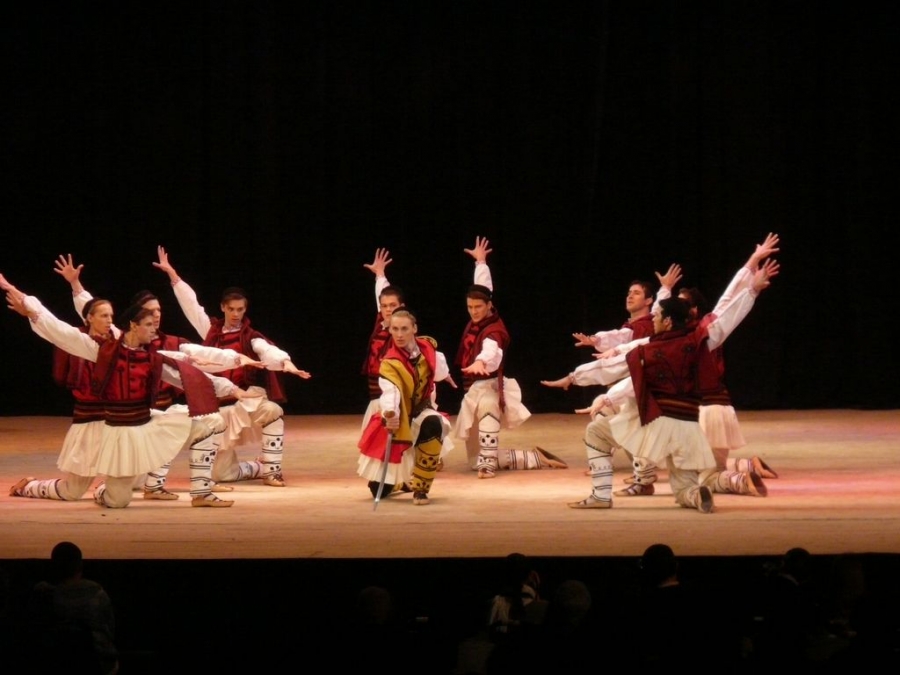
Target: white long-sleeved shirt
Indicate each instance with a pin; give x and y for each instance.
(612, 369)
(491, 354)
(208, 359)
(271, 356)
(718, 330)
(73, 341)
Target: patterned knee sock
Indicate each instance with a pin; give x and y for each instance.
(249, 470)
(272, 447)
(203, 454)
(155, 481)
(40, 489)
(519, 459)
(644, 471)
(427, 454)
(488, 440)
(601, 467)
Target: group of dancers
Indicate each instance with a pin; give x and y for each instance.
(666, 403)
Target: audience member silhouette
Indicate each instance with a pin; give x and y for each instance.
(72, 618)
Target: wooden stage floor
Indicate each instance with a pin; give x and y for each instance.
(837, 492)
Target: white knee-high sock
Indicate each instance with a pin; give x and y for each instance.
(41, 489)
(203, 454)
(600, 463)
(156, 480)
(272, 447)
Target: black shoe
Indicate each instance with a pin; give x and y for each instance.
(373, 488)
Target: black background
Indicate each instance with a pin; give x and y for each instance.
(275, 147)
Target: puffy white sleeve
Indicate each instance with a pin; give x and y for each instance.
(607, 339)
(80, 299)
(738, 282)
(67, 337)
(380, 284)
(223, 387)
(214, 360)
(441, 369)
(620, 392)
(482, 275)
(730, 317)
(191, 307)
(390, 396)
(490, 355)
(272, 357)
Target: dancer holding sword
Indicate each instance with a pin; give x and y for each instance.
(408, 431)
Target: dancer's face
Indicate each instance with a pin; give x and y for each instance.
(660, 324)
(100, 318)
(144, 330)
(154, 306)
(234, 311)
(403, 331)
(387, 304)
(478, 309)
(636, 299)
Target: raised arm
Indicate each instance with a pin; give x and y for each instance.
(743, 278)
(187, 298)
(733, 313)
(480, 253)
(667, 282)
(65, 267)
(378, 267)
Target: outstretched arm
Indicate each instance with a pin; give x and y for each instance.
(15, 299)
(290, 368)
(68, 271)
(68, 338)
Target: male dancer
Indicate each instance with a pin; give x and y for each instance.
(125, 378)
(246, 419)
(387, 299)
(717, 416)
(153, 483)
(492, 400)
(408, 371)
(659, 401)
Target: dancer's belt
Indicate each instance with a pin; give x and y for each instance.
(127, 414)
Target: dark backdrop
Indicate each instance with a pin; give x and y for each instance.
(276, 146)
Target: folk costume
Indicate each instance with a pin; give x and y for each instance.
(717, 419)
(127, 380)
(81, 446)
(658, 405)
(251, 420)
(407, 381)
(491, 401)
(379, 341)
(169, 399)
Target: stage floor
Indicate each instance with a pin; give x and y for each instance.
(836, 493)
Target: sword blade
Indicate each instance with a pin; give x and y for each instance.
(384, 468)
